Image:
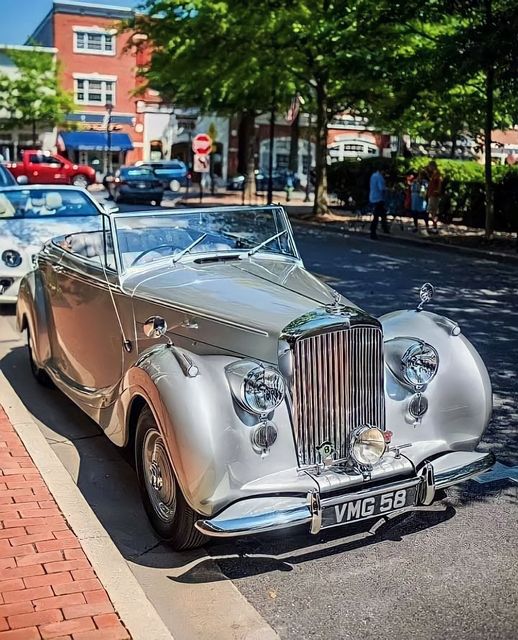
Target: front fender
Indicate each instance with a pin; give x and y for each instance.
(460, 398)
(208, 436)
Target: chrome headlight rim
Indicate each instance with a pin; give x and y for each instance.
(395, 350)
(246, 373)
(420, 350)
(355, 440)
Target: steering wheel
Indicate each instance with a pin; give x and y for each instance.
(146, 251)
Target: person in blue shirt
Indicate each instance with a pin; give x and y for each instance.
(377, 201)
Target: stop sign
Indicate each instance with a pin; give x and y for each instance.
(202, 144)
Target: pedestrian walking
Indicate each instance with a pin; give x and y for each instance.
(419, 203)
(377, 193)
(434, 193)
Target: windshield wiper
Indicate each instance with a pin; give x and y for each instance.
(265, 242)
(187, 250)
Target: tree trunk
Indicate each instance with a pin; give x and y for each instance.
(453, 145)
(246, 123)
(320, 205)
(34, 132)
(294, 144)
(249, 186)
(488, 129)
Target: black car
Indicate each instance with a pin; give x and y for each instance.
(135, 184)
(172, 173)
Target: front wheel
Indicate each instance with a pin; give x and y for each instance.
(171, 516)
(80, 181)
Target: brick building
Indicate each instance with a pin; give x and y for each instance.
(98, 66)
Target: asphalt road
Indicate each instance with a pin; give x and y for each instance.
(448, 571)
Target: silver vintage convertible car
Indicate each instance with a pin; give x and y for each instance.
(255, 397)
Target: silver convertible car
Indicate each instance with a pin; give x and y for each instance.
(255, 397)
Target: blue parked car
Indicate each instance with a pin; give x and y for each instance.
(172, 173)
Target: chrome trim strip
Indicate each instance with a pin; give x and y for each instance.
(454, 476)
(196, 312)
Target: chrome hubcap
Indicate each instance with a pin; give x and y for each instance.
(160, 483)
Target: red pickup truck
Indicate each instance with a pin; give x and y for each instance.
(46, 168)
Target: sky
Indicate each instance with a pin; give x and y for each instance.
(19, 18)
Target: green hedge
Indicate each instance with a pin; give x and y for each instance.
(463, 197)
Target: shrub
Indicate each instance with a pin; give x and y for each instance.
(463, 198)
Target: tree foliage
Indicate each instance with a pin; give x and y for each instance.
(31, 95)
(433, 68)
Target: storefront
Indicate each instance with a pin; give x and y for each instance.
(102, 151)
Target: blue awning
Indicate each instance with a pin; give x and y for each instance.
(96, 141)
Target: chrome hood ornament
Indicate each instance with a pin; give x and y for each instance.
(336, 308)
(426, 293)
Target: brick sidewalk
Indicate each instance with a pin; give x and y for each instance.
(48, 588)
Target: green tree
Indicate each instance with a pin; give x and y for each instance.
(31, 96)
(452, 68)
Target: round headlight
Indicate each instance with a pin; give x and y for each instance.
(367, 445)
(419, 364)
(263, 389)
(12, 258)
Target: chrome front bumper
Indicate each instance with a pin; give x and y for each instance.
(258, 515)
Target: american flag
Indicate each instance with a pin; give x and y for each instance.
(293, 111)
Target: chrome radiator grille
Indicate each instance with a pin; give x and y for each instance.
(337, 386)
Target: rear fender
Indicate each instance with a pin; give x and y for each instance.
(31, 314)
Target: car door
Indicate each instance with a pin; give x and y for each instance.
(46, 169)
(88, 309)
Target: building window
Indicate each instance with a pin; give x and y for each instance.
(94, 91)
(95, 41)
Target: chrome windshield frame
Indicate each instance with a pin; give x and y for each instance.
(295, 255)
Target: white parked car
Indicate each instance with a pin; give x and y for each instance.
(31, 215)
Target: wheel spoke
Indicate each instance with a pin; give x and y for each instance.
(159, 480)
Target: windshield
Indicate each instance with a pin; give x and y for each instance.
(152, 237)
(136, 172)
(45, 203)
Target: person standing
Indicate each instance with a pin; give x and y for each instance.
(377, 192)
(419, 204)
(434, 192)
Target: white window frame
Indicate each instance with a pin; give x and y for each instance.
(97, 31)
(95, 77)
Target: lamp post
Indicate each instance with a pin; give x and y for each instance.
(109, 109)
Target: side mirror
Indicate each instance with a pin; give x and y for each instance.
(155, 327)
(22, 180)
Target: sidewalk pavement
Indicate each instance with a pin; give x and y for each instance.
(48, 588)
(453, 237)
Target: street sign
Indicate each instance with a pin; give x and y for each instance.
(201, 163)
(202, 144)
(186, 123)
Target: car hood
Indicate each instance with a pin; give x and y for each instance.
(29, 234)
(261, 294)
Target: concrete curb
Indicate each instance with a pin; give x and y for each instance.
(339, 227)
(127, 596)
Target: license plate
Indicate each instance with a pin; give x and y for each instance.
(362, 508)
(141, 185)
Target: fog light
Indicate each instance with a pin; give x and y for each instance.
(264, 436)
(367, 445)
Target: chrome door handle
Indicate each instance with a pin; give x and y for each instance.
(190, 324)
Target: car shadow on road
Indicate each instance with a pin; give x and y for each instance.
(105, 476)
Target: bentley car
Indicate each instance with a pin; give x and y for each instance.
(255, 396)
(31, 215)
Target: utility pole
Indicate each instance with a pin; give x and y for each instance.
(109, 164)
